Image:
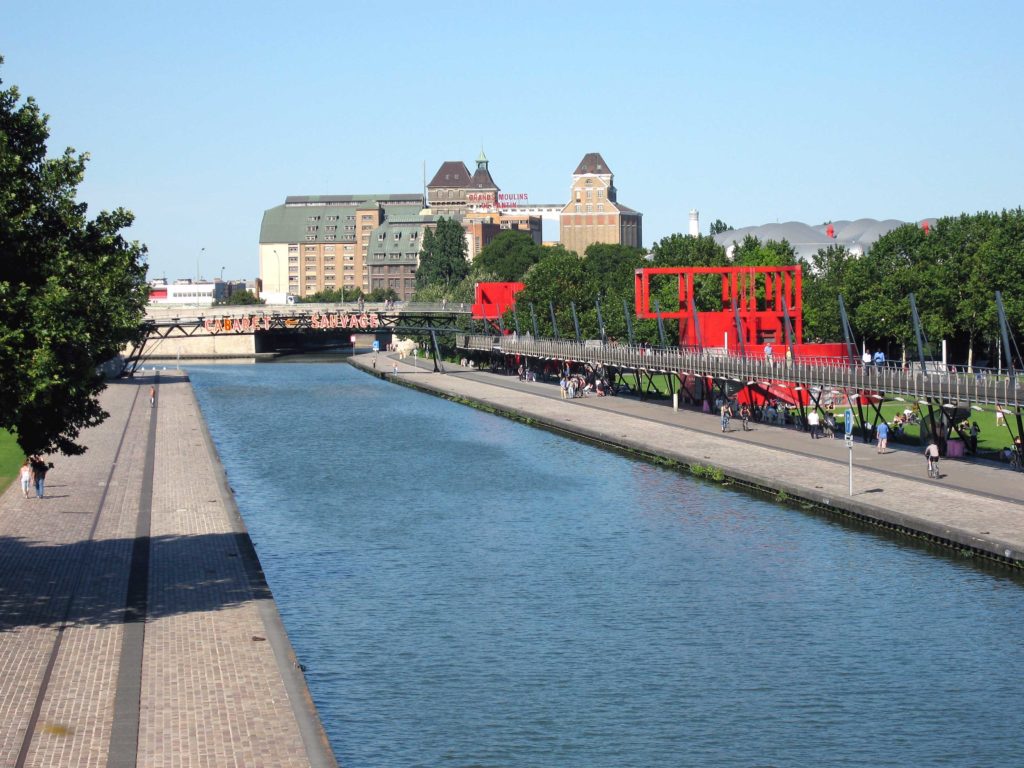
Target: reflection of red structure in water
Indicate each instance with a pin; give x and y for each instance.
(493, 299)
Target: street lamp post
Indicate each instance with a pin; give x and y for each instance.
(198, 273)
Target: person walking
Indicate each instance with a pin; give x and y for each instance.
(26, 477)
(883, 436)
(152, 395)
(769, 353)
(931, 455)
(813, 421)
(39, 475)
(745, 415)
(726, 412)
(975, 431)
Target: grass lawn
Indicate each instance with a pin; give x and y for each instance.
(11, 458)
(991, 439)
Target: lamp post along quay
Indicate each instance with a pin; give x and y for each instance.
(848, 424)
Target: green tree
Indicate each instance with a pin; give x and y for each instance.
(443, 258)
(823, 283)
(610, 274)
(240, 298)
(72, 290)
(507, 257)
(753, 253)
(718, 227)
(685, 251)
(381, 294)
(558, 280)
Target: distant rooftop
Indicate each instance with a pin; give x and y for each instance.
(306, 200)
(856, 236)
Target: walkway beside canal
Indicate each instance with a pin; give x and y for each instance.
(975, 505)
(135, 625)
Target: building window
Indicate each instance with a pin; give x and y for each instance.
(577, 207)
(600, 207)
(293, 249)
(590, 208)
(311, 237)
(600, 194)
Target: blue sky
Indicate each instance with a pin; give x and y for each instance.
(199, 116)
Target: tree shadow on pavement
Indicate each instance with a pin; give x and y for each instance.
(86, 583)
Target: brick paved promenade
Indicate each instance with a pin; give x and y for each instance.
(975, 504)
(135, 628)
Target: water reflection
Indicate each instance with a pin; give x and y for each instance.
(465, 590)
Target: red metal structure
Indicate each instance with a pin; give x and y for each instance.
(493, 299)
(761, 297)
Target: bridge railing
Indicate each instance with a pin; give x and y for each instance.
(947, 386)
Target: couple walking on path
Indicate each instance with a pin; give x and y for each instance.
(33, 474)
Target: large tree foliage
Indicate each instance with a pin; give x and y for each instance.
(507, 257)
(72, 290)
(953, 270)
(242, 298)
(443, 258)
(823, 283)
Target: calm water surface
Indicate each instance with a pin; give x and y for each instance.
(468, 591)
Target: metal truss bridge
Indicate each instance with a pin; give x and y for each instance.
(309, 319)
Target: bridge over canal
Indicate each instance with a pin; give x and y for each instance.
(247, 331)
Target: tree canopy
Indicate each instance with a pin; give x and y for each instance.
(507, 257)
(443, 258)
(242, 298)
(953, 269)
(72, 290)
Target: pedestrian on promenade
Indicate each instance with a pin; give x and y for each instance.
(866, 359)
(394, 368)
(931, 455)
(26, 477)
(769, 353)
(879, 359)
(813, 421)
(883, 436)
(39, 469)
(745, 415)
(152, 395)
(726, 412)
(975, 431)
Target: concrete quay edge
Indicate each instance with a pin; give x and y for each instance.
(1004, 549)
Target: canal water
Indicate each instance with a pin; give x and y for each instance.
(468, 591)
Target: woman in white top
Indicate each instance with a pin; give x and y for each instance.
(26, 478)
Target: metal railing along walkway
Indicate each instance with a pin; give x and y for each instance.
(979, 386)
